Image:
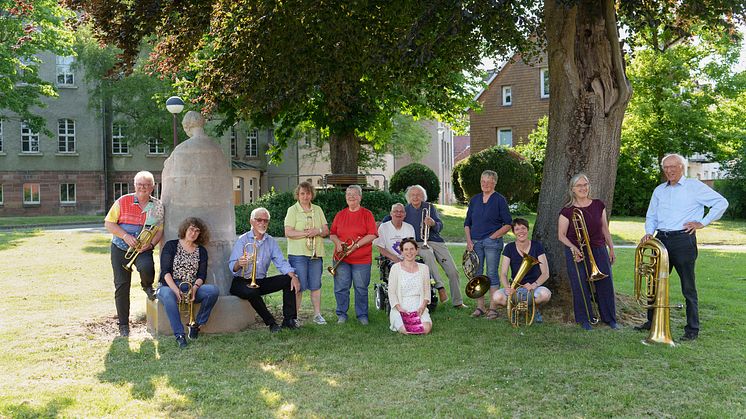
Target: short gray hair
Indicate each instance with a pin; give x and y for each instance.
(571, 184)
(145, 175)
(355, 188)
(489, 173)
(257, 210)
(679, 157)
(424, 192)
(398, 204)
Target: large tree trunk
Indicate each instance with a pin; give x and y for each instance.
(589, 92)
(344, 148)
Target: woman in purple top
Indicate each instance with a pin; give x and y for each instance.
(594, 213)
(487, 221)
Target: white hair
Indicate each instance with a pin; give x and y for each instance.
(257, 210)
(679, 157)
(398, 204)
(355, 188)
(424, 192)
(145, 175)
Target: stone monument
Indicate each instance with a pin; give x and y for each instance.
(196, 182)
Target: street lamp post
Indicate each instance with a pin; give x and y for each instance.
(175, 105)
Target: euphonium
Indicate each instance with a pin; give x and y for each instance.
(584, 243)
(519, 308)
(347, 248)
(651, 266)
(185, 289)
(424, 228)
(252, 261)
(143, 239)
(478, 285)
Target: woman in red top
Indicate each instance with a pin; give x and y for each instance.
(353, 224)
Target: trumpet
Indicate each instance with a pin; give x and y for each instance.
(478, 285)
(518, 308)
(252, 260)
(347, 248)
(651, 270)
(593, 274)
(311, 241)
(424, 228)
(186, 303)
(143, 239)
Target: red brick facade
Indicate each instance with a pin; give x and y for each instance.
(521, 116)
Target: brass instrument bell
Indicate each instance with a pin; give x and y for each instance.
(478, 285)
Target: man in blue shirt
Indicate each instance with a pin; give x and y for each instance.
(266, 250)
(676, 212)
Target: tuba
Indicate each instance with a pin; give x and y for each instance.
(651, 289)
(143, 239)
(347, 248)
(478, 285)
(186, 304)
(520, 308)
(252, 260)
(424, 228)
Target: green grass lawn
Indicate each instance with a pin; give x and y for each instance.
(61, 358)
(50, 220)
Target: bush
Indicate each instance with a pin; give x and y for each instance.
(734, 190)
(534, 151)
(416, 174)
(458, 192)
(635, 180)
(330, 200)
(515, 175)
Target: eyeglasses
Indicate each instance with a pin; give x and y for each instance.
(261, 220)
(144, 185)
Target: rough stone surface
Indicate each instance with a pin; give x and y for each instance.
(230, 314)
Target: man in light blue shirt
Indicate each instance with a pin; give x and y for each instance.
(676, 212)
(257, 242)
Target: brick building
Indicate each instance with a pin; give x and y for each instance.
(515, 98)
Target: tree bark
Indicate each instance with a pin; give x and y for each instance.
(344, 149)
(589, 93)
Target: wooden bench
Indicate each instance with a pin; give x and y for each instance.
(345, 180)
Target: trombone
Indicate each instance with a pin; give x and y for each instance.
(187, 304)
(592, 274)
(251, 255)
(143, 239)
(347, 248)
(424, 228)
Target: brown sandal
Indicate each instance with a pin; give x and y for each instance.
(492, 314)
(477, 313)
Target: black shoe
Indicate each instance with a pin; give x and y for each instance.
(274, 328)
(689, 336)
(181, 341)
(150, 292)
(644, 326)
(290, 325)
(193, 332)
(124, 330)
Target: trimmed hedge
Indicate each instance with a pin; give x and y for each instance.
(330, 200)
(515, 175)
(416, 174)
(457, 191)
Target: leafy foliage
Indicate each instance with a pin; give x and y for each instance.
(27, 28)
(331, 201)
(733, 188)
(416, 174)
(458, 192)
(515, 175)
(534, 152)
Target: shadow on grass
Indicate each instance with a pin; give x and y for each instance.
(49, 410)
(98, 246)
(10, 239)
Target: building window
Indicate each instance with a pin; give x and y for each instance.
(251, 190)
(544, 76)
(121, 188)
(31, 193)
(67, 193)
(65, 75)
(118, 142)
(1, 136)
(157, 190)
(66, 135)
(234, 142)
(251, 140)
(29, 139)
(505, 137)
(507, 95)
(156, 146)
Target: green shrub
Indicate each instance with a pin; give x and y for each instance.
(734, 190)
(330, 200)
(416, 174)
(635, 180)
(458, 192)
(515, 175)
(534, 151)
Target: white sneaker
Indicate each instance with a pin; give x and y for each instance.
(319, 319)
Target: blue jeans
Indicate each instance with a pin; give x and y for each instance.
(207, 296)
(352, 275)
(308, 271)
(489, 251)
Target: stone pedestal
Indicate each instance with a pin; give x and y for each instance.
(230, 314)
